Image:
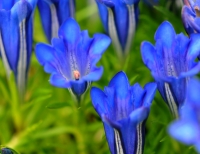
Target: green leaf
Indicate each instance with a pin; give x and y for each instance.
(57, 105)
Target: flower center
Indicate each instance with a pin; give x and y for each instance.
(76, 75)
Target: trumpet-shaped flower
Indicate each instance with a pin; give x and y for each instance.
(72, 57)
(171, 62)
(16, 37)
(119, 18)
(187, 128)
(191, 16)
(53, 13)
(123, 110)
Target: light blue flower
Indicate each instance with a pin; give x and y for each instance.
(187, 128)
(123, 110)
(171, 62)
(119, 18)
(16, 37)
(53, 13)
(71, 59)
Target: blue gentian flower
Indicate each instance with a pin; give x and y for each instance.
(53, 13)
(16, 37)
(187, 128)
(5, 150)
(72, 58)
(171, 62)
(191, 16)
(119, 18)
(123, 110)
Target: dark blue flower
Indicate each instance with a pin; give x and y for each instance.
(72, 58)
(53, 13)
(187, 128)
(191, 16)
(123, 110)
(119, 18)
(5, 150)
(16, 37)
(171, 61)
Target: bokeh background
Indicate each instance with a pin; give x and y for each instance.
(49, 122)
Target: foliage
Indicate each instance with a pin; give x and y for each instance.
(49, 121)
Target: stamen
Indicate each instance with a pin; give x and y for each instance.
(76, 75)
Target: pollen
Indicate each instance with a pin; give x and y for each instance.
(76, 75)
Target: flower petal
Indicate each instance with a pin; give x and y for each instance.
(98, 99)
(70, 33)
(150, 90)
(45, 14)
(166, 34)
(94, 75)
(184, 131)
(79, 87)
(59, 81)
(121, 84)
(148, 55)
(44, 53)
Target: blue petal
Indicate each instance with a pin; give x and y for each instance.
(100, 44)
(193, 92)
(98, 100)
(59, 81)
(82, 53)
(193, 50)
(65, 9)
(148, 55)
(121, 15)
(44, 53)
(9, 22)
(78, 87)
(121, 84)
(45, 14)
(139, 115)
(70, 33)
(184, 131)
(94, 74)
(166, 34)
(110, 137)
(108, 3)
(179, 52)
(137, 94)
(103, 14)
(150, 89)
(130, 2)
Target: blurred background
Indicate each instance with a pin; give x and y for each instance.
(49, 122)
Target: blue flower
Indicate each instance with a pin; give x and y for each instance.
(119, 18)
(16, 37)
(5, 150)
(191, 16)
(171, 62)
(72, 57)
(53, 13)
(123, 110)
(187, 128)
